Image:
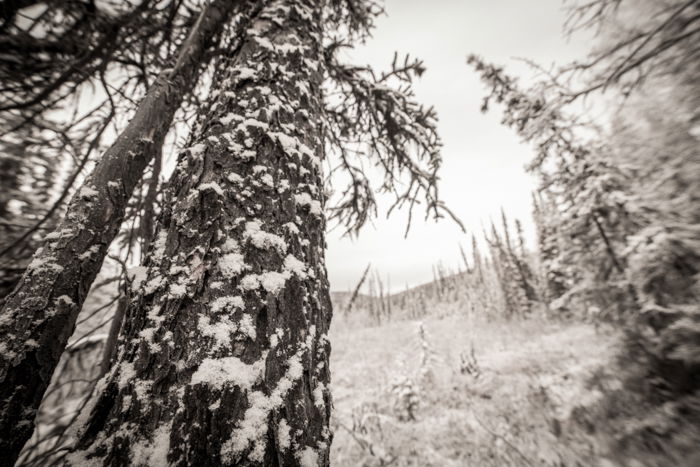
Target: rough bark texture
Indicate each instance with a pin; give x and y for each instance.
(223, 359)
(39, 316)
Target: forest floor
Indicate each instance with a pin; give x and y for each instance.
(407, 398)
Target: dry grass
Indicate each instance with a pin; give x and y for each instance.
(402, 400)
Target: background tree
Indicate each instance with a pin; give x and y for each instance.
(72, 74)
(625, 196)
(40, 315)
(555, 276)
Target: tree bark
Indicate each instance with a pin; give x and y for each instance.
(39, 316)
(223, 358)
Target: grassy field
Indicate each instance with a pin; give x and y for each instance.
(454, 391)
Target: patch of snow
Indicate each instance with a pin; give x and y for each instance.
(221, 331)
(250, 282)
(223, 303)
(137, 275)
(217, 372)
(234, 178)
(291, 226)
(53, 236)
(65, 300)
(246, 73)
(154, 284)
(283, 435)
(211, 186)
(295, 266)
(308, 457)
(246, 327)
(273, 281)
(253, 428)
(177, 290)
(159, 244)
(318, 396)
(152, 452)
(197, 150)
(261, 239)
(126, 374)
(250, 122)
(304, 199)
(88, 192)
(91, 251)
(232, 264)
(44, 264)
(264, 43)
(229, 118)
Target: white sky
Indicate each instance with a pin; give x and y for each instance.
(482, 160)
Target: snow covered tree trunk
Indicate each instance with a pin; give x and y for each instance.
(39, 316)
(223, 359)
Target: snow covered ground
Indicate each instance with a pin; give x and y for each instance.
(407, 394)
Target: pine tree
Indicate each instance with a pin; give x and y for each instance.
(476, 260)
(504, 272)
(522, 276)
(282, 119)
(108, 50)
(555, 279)
(587, 187)
(239, 262)
(39, 316)
(224, 356)
(625, 220)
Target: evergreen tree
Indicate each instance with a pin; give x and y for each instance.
(223, 357)
(626, 218)
(228, 334)
(587, 187)
(57, 58)
(522, 273)
(555, 278)
(39, 316)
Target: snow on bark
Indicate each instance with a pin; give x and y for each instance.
(224, 345)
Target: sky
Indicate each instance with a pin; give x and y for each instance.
(483, 161)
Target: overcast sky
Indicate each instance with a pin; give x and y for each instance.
(482, 160)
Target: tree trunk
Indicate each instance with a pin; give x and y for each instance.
(223, 358)
(39, 316)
